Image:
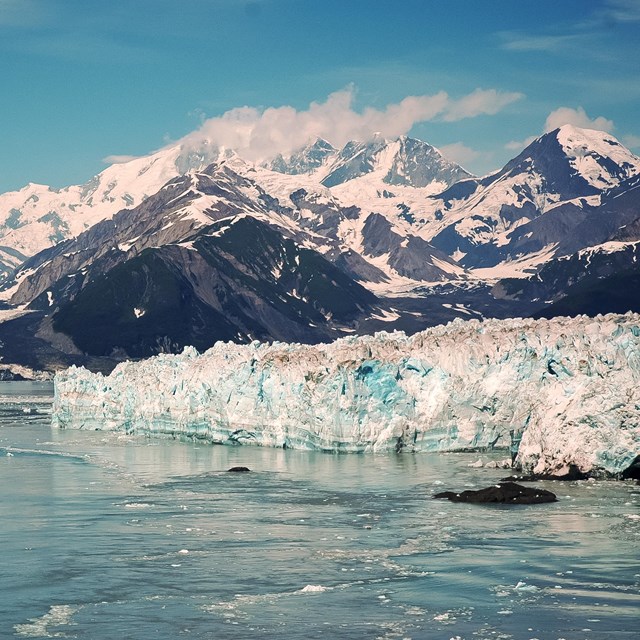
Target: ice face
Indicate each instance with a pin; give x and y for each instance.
(569, 387)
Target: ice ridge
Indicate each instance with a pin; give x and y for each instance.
(570, 386)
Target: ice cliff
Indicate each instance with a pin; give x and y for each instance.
(570, 385)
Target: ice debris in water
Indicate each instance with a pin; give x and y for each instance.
(57, 616)
(569, 386)
(313, 588)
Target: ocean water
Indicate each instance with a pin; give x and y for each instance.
(106, 536)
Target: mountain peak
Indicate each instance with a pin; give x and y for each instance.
(400, 161)
(305, 160)
(574, 162)
(591, 141)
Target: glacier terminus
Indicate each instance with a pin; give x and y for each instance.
(569, 387)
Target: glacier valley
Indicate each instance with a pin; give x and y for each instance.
(570, 387)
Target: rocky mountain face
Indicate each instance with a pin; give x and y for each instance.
(404, 161)
(307, 160)
(237, 280)
(604, 241)
(161, 252)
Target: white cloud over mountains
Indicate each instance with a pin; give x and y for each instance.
(561, 116)
(259, 134)
(460, 153)
(578, 118)
(118, 159)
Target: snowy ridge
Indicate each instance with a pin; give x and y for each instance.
(572, 386)
(37, 216)
(445, 225)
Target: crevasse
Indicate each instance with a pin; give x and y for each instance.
(571, 386)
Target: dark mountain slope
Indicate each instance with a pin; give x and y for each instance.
(237, 280)
(617, 293)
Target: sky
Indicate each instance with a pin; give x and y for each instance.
(84, 83)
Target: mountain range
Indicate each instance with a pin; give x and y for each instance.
(193, 244)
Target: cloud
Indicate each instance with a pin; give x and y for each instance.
(577, 117)
(623, 10)
(480, 102)
(460, 153)
(519, 145)
(261, 134)
(516, 41)
(116, 159)
(631, 141)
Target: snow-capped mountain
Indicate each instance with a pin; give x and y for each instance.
(524, 212)
(598, 269)
(401, 161)
(38, 216)
(404, 161)
(399, 238)
(479, 222)
(207, 258)
(307, 160)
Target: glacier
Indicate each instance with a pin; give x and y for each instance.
(570, 387)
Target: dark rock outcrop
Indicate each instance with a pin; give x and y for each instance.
(505, 493)
(7, 375)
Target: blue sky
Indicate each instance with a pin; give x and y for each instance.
(85, 80)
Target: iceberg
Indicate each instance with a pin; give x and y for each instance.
(569, 388)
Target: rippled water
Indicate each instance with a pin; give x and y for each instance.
(106, 536)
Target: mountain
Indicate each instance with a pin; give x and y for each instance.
(401, 161)
(306, 160)
(546, 202)
(322, 243)
(514, 220)
(39, 216)
(616, 293)
(556, 278)
(204, 259)
(405, 161)
(603, 240)
(238, 280)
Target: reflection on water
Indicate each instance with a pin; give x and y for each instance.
(110, 536)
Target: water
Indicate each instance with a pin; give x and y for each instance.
(105, 536)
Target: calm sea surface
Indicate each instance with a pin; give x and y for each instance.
(105, 536)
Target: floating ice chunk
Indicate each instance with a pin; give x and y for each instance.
(313, 588)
